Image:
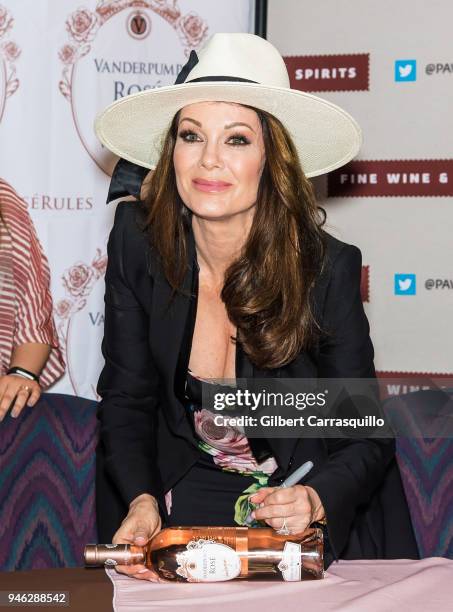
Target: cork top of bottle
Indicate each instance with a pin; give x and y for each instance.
(113, 554)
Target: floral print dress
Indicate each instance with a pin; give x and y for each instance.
(228, 449)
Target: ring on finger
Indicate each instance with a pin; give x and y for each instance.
(283, 529)
(25, 388)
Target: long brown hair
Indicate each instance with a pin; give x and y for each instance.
(267, 289)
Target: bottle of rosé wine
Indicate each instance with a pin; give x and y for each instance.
(213, 554)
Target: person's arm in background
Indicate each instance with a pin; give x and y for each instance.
(35, 341)
(17, 388)
(32, 356)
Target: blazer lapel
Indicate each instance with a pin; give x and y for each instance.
(171, 329)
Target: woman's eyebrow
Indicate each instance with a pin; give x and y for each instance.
(189, 119)
(227, 127)
(231, 125)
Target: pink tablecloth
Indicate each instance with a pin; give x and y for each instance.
(399, 585)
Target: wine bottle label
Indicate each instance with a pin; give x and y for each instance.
(208, 561)
(291, 563)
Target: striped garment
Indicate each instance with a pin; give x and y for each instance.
(25, 300)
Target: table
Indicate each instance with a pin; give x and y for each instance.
(400, 585)
(90, 589)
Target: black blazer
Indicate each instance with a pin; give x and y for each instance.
(146, 441)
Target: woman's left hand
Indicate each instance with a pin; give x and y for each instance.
(298, 506)
(20, 390)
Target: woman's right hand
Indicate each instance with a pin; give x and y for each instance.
(16, 392)
(140, 525)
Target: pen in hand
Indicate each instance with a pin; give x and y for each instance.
(296, 476)
(292, 479)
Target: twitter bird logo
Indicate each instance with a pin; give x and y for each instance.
(405, 70)
(405, 284)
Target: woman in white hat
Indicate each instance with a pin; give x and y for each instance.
(225, 272)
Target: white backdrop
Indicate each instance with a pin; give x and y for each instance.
(390, 64)
(60, 63)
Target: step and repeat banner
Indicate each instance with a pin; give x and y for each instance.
(60, 63)
(390, 64)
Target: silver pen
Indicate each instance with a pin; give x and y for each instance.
(297, 475)
(292, 479)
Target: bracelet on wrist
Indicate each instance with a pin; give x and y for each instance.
(24, 373)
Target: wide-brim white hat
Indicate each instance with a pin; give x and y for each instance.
(241, 68)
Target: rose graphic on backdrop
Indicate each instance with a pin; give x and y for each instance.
(6, 21)
(99, 34)
(78, 282)
(9, 53)
(82, 25)
(78, 279)
(63, 308)
(68, 54)
(192, 30)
